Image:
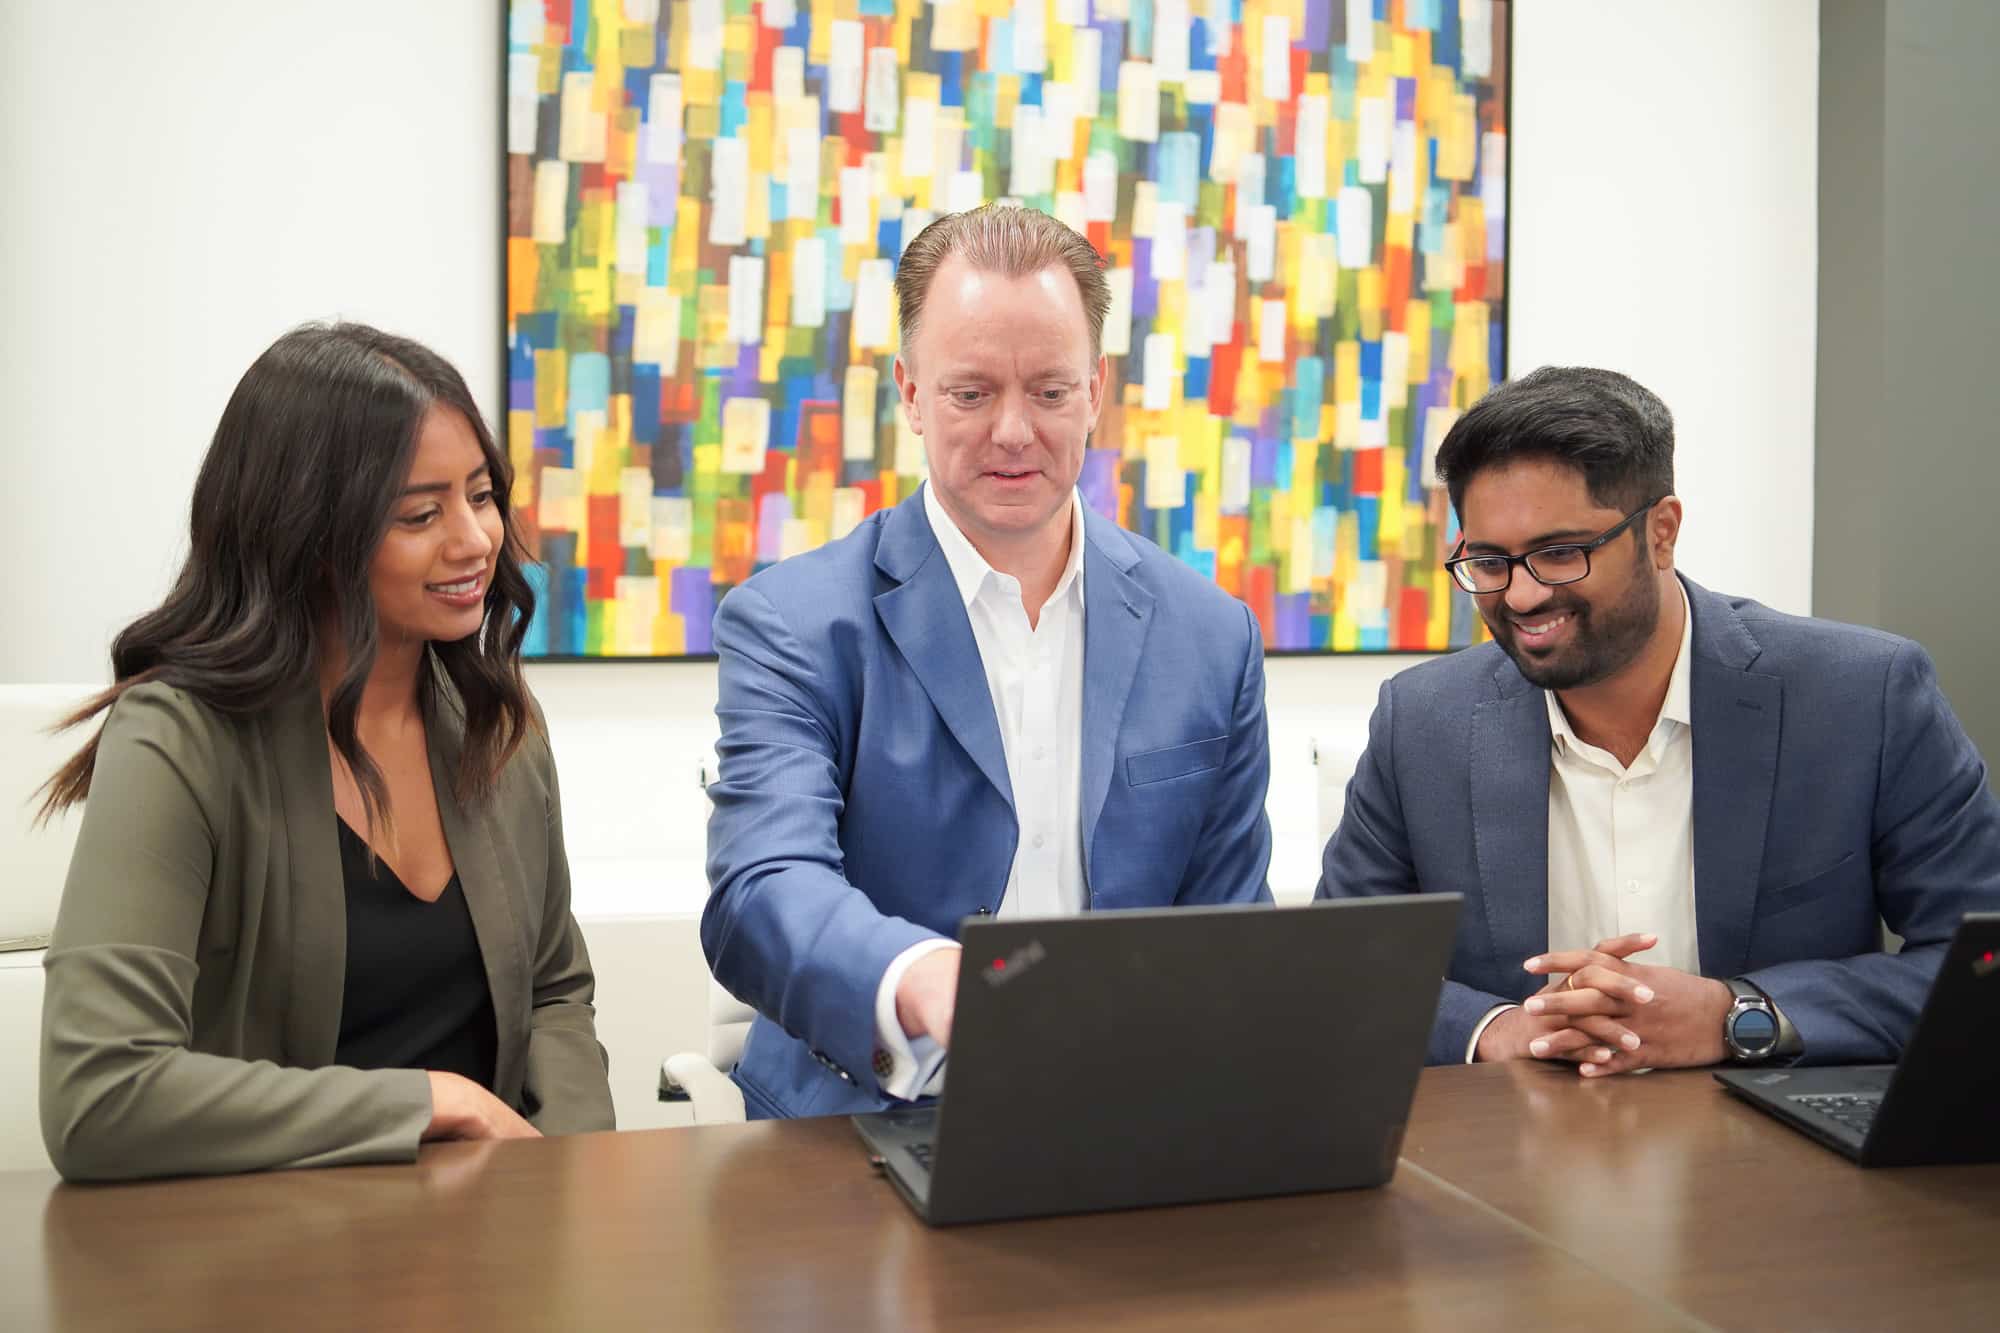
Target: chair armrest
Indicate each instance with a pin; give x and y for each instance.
(689, 1077)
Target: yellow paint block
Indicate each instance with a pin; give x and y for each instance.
(689, 226)
(1417, 325)
(954, 27)
(1402, 56)
(1458, 147)
(551, 389)
(700, 87)
(762, 145)
(1438, 631)
(669, 630)
(757, 207)
(1347, 371)
(521, 448)
(1368, 297)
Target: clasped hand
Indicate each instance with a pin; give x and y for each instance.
(1609, 1015)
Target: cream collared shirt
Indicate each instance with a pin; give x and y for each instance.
(1035, 676)
(1621, 839)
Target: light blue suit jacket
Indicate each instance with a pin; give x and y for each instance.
(863, 803)
(1833, 789)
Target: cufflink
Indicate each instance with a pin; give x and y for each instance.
(884, 1064)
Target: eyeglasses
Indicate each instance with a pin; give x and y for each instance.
(1550, 566)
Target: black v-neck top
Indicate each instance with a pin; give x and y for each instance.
(416, 995)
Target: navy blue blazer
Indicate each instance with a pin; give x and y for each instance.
(863, 803)
(1833, 790)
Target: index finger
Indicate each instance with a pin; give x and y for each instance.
(1624, 946)
(1570, 960)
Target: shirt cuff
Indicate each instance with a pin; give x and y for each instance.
(905, 1067)
(1472, 1047)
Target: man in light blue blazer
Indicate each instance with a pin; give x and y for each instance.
(986, 700)
(1679, 818)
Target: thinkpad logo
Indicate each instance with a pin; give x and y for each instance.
(1003, 970)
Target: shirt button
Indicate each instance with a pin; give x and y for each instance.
(1041, 752)
(1631, 886)
(1039, 840)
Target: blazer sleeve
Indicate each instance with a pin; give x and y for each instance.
(1232, 856)
(1936, 854)
(1369, 856)
(783, 929)
(566, 1089)
(122, 1093)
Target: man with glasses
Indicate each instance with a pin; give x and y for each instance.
(1679, 818)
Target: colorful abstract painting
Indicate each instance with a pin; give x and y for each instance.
(1303, 208)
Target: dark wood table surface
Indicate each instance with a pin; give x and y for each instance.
(1526, 1199)
(1667, 1183)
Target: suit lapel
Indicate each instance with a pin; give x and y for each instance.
(1510, 815)
(318, 899)
(926, 619)
(1737, 717)
(1117, 612)
(472, 839)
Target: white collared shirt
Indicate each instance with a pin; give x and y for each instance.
(1035, 677)
(1621, 839)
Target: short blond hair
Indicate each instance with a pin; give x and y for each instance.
(1007, 239)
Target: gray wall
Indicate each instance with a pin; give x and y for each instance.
(1907, 471)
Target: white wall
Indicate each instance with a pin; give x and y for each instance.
(180, 184)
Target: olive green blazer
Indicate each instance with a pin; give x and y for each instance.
(194, 975)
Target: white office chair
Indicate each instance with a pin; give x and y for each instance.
(33, 862)
(701, 1079)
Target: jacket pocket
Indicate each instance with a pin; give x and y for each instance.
(1795, 889)
(1175, 761)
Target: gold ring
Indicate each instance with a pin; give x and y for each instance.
(1569, 982)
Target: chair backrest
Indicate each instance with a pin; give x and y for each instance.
(729, 1022)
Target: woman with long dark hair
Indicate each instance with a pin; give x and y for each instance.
(319, 905)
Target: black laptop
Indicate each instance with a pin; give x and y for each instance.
(1131, 1058)
(1937, 1105)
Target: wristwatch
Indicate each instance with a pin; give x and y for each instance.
(1750, 1028)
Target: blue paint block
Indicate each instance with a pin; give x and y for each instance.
(536, 644)
(645, 404)
(589, 383)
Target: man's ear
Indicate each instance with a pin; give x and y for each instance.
(1663, 529)
(1097, 381)
(906, 389)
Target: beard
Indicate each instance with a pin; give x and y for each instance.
(1603, 639)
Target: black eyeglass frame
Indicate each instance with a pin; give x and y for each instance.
(1452, 565)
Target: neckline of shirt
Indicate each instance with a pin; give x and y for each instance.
(1676, 708)
(969, 569)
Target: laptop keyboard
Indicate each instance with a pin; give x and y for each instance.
(922, 1152)
(1854, 1110)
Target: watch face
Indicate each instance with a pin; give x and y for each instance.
(1753, 1030)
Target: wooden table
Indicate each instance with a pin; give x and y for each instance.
(1526, 1199)
(1680, 1191)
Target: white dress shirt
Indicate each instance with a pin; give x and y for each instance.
(1035, 675)
(1621, 839)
